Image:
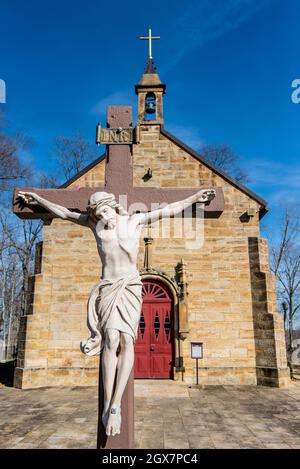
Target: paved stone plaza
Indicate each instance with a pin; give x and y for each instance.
(213, 417)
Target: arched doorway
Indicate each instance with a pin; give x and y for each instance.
(154, 349)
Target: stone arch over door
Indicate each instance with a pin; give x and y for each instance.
(155, 349)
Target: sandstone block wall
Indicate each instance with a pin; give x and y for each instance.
(231, 300)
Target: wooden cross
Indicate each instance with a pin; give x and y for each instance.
(150, 38)
(118, 180)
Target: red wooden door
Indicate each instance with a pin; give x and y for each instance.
(154, 346)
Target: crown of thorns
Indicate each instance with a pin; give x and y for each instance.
(105, 199)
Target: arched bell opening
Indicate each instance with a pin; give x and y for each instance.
(150, 106)
(155, 348)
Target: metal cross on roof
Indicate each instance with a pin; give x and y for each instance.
(150, 38)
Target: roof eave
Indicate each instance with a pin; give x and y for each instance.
(219, 171)
(83, 171)
(263, 203)
(161, 86)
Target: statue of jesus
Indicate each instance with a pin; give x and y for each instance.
(114, 305)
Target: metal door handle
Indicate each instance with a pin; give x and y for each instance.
(152, 349)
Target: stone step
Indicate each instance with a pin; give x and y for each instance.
(160, 388)
(296, 371)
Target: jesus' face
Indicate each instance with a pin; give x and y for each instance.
(107, 214)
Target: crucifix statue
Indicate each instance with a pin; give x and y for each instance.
(114, 304)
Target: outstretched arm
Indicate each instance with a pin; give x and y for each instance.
(32, 198)
(202, 196)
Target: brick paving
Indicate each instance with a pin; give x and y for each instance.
(168, 415)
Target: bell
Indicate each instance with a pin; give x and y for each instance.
(150, 108)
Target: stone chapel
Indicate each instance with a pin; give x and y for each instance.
(220, 296)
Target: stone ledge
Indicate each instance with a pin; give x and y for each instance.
(274, 377)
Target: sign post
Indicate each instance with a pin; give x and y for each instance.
(196, 353)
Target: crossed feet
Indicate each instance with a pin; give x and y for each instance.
(111, 419)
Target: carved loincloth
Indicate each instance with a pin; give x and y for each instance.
(113, 304)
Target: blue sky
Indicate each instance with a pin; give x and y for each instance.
(228, 66)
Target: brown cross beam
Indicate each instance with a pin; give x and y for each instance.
(118, 180)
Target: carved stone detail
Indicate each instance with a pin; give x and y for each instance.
(179, 281)
(119, 136)
(148, 253)
(182, 281)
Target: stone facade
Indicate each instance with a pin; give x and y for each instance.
(224, 293)
(231, 293)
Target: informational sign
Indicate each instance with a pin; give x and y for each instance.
(197, 350)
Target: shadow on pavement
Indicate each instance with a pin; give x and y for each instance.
(7, 373)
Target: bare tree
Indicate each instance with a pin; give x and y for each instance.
(289, 289)
(224, 158)
(11, 166)
(17, 248)
(22, 238)
(17, 238)
(48, 182)
(72, 154)
(285, 264)
(10, 286)
(287, 238)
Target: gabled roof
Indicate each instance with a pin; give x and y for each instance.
(83, 171)
(263, 203)
(217, 170)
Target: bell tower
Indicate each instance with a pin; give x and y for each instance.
(150, 91)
